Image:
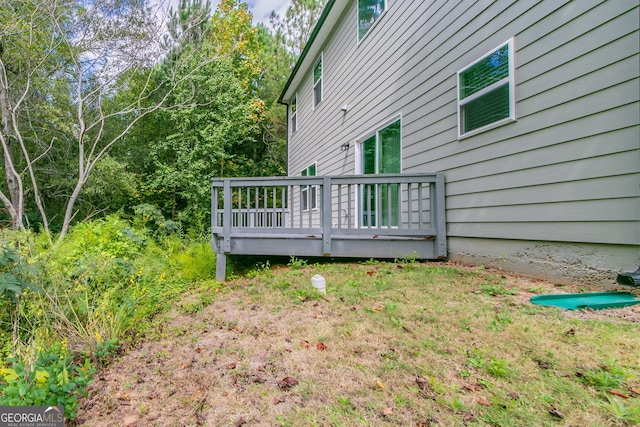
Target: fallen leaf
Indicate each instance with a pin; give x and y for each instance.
(249, 302)
(379, 383)
(305, 344)
(278, 399)
(422, 384)
(231, 366)
(198, 350)
(377, 308)
(371, 273)
(320, 346)
(617, 393)
(514, 396)
(468, 417)
(318, 316)
(287, 383)
(634, 390)
(484, 402)
(387, 411)
(543, 365)
(553, 411)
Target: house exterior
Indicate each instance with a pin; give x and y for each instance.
(530, 109)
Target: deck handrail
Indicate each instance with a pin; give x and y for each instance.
(288, 210)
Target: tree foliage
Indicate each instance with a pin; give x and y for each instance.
(104, 106)
(68, 61)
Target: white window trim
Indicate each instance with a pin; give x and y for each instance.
(358, 157)
(371, 132)
(511, 81)
(320, 81)
(306, 191)
(294, 128)
(384, 12)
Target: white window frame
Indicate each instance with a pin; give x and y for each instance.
(510, 80)
(309, 193)
(359, 167)
(314, 84)
(378, 19)
(375, 131)
(294, 113)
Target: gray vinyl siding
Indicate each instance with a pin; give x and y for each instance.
(567, 170)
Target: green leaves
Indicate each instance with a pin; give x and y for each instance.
(53, 379)
(14, 271)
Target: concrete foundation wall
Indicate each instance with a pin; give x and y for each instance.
(588, 264)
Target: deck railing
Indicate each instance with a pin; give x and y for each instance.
(377, 216)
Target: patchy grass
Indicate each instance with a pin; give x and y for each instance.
(390, 344)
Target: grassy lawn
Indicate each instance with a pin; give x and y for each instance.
(390, 344)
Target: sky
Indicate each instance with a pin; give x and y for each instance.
(260, 9)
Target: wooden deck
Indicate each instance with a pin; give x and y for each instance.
(363, 216)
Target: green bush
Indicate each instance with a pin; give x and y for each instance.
(100, 285)
(52, 380)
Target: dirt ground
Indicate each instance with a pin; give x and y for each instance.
(174, 379)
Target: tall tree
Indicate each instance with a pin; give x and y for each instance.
(294, 29)
(76, 55)
(216, 133)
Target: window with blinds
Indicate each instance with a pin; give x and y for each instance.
(486, 91)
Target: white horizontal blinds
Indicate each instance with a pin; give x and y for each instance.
(317, 82)
(368, 13)
(484, 90)
(294, 115)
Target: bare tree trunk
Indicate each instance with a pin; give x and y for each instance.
(14, 202)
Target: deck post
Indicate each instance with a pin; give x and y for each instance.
(326, 216)
(225, 245)
(439, 217)
(221, 267)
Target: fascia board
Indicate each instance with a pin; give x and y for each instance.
(330, 16)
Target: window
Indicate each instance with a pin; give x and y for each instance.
(294, 116)
(368, 13)
(486, 91)
(309, 192)
(317, 82)
(381, 153)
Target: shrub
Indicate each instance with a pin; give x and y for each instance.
(52, 380)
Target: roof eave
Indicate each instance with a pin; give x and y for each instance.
(319, 35)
